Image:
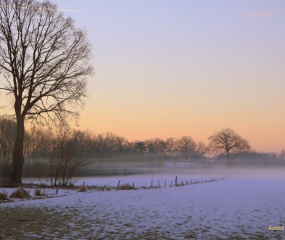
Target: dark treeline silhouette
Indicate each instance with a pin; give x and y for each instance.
(59, 153)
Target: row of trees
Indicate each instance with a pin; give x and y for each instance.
(226, 142)
(65, 150)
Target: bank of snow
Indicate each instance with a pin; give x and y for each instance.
(230, 208)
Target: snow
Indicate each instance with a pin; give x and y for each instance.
(231, 208)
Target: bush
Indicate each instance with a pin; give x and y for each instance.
(20, 193)
(3, 196)
(82, 189)
(126, 187)
(5, 172)
(38, 193)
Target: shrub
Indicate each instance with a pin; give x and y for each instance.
(5, 172)
(20, 193)
(126, 187)
(3, 196)
(105, 188)
(38, 193)
(82, 189)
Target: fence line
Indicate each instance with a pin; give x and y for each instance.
(126, 186)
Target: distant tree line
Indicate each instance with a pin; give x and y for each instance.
(64, 150)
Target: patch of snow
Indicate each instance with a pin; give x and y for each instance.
(231, 208)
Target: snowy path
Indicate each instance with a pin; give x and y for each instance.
(228, 209)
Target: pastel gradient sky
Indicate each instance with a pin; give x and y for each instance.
(166, 68)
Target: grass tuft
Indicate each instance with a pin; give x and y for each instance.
(82, 189)
(20, 193)
(126, 187)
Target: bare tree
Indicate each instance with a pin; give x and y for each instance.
(186, 145)
(227, 142)
(201, 149)
(68, 151)
(139, 147)
(44, 60)
(170, 147)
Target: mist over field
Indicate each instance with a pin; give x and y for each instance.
(191, 170)
(240, 202)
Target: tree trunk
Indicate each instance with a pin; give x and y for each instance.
(18, 155)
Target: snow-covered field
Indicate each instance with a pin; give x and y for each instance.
(233, 208)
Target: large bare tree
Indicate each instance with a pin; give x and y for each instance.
(227, 142)
(44, 61)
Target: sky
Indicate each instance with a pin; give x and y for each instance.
(166, 68)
